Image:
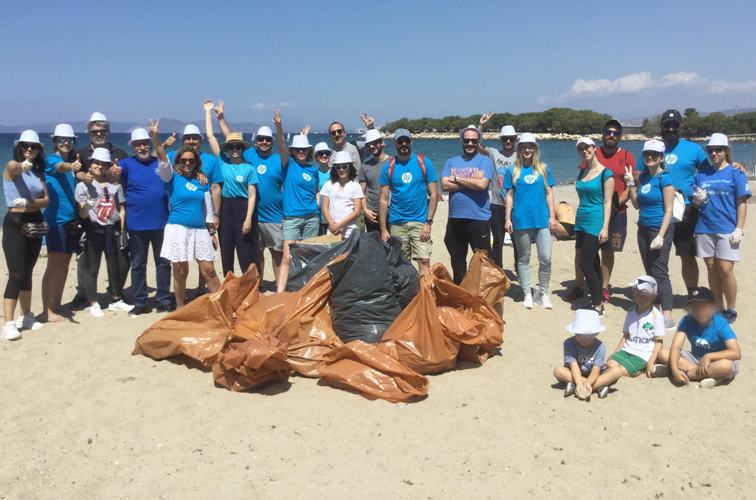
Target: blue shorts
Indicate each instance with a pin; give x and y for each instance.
(300, 228)
(693, 359)
(58, 240)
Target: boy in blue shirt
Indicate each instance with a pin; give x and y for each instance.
(584, 355)
(714, 347)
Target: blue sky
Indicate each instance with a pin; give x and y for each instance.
(321, 61)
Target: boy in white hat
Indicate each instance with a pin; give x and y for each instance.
(642, 339)
(584, 355)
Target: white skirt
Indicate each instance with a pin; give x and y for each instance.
(185, 244)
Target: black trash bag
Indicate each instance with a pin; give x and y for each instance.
(363, 301)
(405, 277)
(309, 258)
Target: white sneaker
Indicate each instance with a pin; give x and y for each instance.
(10, 331)
(507, 239)
(28, 322)
(120, 306)
(546, 301)
(96, 311)
(527, 303)
(708, 383)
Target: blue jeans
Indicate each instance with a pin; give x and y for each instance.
(139, 242)
(523, 239)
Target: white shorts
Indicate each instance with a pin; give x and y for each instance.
(185, 244)
(717, 246)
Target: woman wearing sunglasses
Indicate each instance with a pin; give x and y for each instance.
(721, 191)
(323, 158)
(25, 193)
(300, 205)
(190, 231)
(238, 198)
(341, 197)
(61, 217)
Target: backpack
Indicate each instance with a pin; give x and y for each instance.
(420, 161)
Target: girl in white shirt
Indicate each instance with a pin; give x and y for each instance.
(341, 197)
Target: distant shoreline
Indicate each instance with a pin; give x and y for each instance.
(560, 137)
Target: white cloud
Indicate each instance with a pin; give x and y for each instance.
(283, 104)
(724, 87)
(681, 78)
(258, 105)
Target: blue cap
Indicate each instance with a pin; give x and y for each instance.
(402, 132)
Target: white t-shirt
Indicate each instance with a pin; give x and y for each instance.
(341, 201)
(641, 330)
(104, 201)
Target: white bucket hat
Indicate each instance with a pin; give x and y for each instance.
(264, 131)
(372, 135)
(191, 129)
(63, 130)
(508, 131)
(321, 146)
(101, 154)
(527, 137)
(300, 141)
(470, 127)
(97, 117)
(654, 145)
(645, 284)
(139, 134)
(342, 157)
(718, 140)
(585, 140)
(29, 136)
(586, 322)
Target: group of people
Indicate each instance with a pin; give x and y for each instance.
(242, 199)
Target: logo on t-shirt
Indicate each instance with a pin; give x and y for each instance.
(406, 177)
(670, 159)
(648, 327)
(530, 179)
(262, 168)
(646, 188)
(190, 186)
(239, 178)
(307, 177)
(104, 209)
(702, 343)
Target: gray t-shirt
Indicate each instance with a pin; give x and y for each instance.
(370, 174)
(353, 152)
(501, 164)
(586, 357)
(104, 201)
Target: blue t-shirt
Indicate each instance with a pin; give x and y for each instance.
(60, 189)
(589, 217)
(270, 177)
(146, 200)
(585, 357)
(209, 166)
(186, 198)
(409, 190)
(682, 162)
(237, 177)
(530, 209)
(709, 338)
(719, 213)
(300, 188)
(469, 203)
(651, 198)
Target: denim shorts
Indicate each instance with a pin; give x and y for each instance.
(60, 241)
(300, 228)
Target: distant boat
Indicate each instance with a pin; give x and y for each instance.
(288, 137)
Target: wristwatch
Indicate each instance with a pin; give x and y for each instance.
(429, 221)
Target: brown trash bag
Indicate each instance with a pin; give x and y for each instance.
(309, 341)
(363, 368)
(485, 278)
(199, 330)
(243, 291)
(251, 364)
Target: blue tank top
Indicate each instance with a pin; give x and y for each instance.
(27, 185)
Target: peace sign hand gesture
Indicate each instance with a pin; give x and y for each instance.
(367, 120)
(154, 126)
(276, 117)
(628, 177)
(219, 109)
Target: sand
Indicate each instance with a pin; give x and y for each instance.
(82, 418)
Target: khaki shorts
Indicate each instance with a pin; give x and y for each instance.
(270, 235)
(412, 247)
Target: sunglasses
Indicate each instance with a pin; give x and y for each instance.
(192, 138)
(374, 144)
(651, 154)
(27, 145)
(716, 149)
(98, 163)
(338, 131)
(612, 132)
(509, 139)
(300, 150)
(263, 139)
(470, 141)
(98, 132)
(187, 161)
(342, 167)
(324, 153)
(235, 147)
(140, 144)
(65, 140)
(402, 141)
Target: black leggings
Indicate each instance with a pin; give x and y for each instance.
(459, 234)
(498, 219)
(21, 253)
(590, 264)
(656, 262)
(103, 240)
(233, 212)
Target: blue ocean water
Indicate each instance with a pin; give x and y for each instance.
(559, 155)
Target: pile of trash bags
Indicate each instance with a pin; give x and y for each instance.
(363, 321)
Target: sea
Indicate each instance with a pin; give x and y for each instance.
(559, 155)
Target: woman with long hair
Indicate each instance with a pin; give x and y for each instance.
(530, 216)
(654, 198)
(25, 193)
(341, 197)
(595, 186)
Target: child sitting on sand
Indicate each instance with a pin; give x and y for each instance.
(714, 348)
(584, 355)
(643, 335)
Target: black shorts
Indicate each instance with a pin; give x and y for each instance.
(617, 233)
(684, 240)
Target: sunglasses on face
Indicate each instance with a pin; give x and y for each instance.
(651, 154)
(191, 138)
(375, 144)
(27, 145)
(470, 141)
(187, 161)
(140, 144)
(324, 153)
(65, 140)
(403, 141)
(342, 167)
(509, 139)
(264, 139)
(612, 132)
(716, 149)
(300, 150)
(336, 132)
(234, 147)
(98, 132)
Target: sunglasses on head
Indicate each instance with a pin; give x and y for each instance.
(187, 161)
(234, 147)
(263, 139)
(28, 145)
(470, 141)
(612, 132)
(338, 131)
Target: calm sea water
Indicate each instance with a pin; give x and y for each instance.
(559, 155)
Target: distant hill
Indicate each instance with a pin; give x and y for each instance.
(167, 125)
(638, 121)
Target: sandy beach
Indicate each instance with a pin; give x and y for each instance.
(83, 418)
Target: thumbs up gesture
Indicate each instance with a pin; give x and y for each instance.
(76, 164)
(26, 165)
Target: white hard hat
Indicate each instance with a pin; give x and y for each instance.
(342, 157)
(63, 130)
(97, 117)
(585, 140)
(264, 131)
(191, 129)
(372, 135)
(508, 131)
(139, 134)
(527, 138)
(300, 141)
(718, 140)
(654, 145)
(101, 154)
(29, 136)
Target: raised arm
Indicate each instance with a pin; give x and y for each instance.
(281, 140)
(156, 143)
(221, 116)
(211, 140)
(367, 120)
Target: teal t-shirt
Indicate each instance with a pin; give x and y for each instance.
(236, 179)
(60, 189)
(590, 213)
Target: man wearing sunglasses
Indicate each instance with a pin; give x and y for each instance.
(339, 143)
(410, 180)
(466, 178)
(616, 159)
(370, 178)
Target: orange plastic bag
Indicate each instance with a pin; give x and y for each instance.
(363, 368)
(485, 278)
(251, 364)
(243, 291)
